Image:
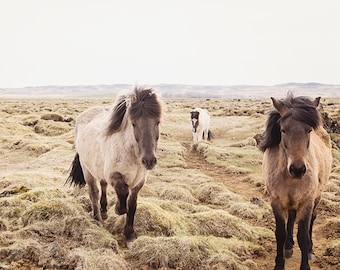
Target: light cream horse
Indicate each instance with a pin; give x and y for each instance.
(296, 164)
(200, 121)
(117, 146)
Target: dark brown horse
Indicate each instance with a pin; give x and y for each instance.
(117, 146)
(296, 164)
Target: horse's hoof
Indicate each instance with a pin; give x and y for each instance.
(130, 241)
(311, 256)
(288, 253)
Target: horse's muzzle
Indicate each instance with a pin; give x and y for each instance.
(297, 172)
(149, 163)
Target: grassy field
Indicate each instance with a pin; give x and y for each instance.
(203, 207)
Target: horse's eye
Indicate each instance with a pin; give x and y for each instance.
(133, 124)
(283, 131)
(310, 130)
(158, 122)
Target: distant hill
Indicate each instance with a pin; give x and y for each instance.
(179, 90)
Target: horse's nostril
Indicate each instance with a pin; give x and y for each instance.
(149, 163)
(297, 171)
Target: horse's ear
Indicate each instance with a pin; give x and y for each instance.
(278, 105)
(316, 102)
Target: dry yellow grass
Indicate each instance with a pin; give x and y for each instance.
(203, 207)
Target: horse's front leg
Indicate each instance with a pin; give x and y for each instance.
(303, 236)
(122, 191)
(288, 251)
(129, 231)
(280, 234)
(103, 199)
(200, 135)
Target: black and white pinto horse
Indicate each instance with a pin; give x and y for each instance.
(117, 146)
(200, 120)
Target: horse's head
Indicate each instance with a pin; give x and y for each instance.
(145, 116)
(140, 112)
(194, 120)
(298, 117)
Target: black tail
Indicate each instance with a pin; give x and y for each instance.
(76, 176)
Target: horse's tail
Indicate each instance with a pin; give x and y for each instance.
(209, 135)
(76, 176)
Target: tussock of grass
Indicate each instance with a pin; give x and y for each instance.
(48, 210)
(48, 256)
(152, 220)
(216, 193)
(13, 190)
(192, 252)
(38, 194)
(31, 120)
(231, 253)
(175, 192)
(12, 208)
(245, 210)
(52, 116)
(75, 226)
(171, 252)
(220, 223)
(172, 155)
(52, 128)
(99, 259)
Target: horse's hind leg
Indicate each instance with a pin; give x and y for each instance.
(94, 196)
(103, 199)
(288, 251)
(122, 191)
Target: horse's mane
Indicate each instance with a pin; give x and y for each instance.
(300, 108)
(142, 102)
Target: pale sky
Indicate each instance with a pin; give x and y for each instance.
(211, 42)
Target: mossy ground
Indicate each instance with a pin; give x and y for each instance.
(203, 207)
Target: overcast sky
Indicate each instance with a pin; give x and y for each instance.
(212, 42)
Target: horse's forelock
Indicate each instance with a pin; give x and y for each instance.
(299, 108)
(302, 109)
(145, 104)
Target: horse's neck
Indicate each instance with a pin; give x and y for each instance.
(123, 140)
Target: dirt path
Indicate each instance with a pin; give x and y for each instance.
(249, 190)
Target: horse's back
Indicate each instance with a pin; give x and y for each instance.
(89, 115)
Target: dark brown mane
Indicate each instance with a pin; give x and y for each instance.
(143, 102)
(300, 108)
